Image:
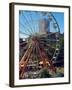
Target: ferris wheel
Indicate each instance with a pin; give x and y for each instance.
(40, 33)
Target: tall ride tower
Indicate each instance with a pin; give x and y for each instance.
(44, 26)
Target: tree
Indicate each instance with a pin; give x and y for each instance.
(45, 74)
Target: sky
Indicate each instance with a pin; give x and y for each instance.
(29, 22)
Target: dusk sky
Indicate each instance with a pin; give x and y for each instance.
(29, 22)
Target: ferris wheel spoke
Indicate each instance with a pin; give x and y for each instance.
(35, 54)
(51, 33)
(32, 22)
(51, 40)
(46, 44)
(25, 28)
(23, 43)
(25, 25)
(30, 19)
(23, 33)
(23, 49)
(33, 50)
(43, 39)
(25, 18)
